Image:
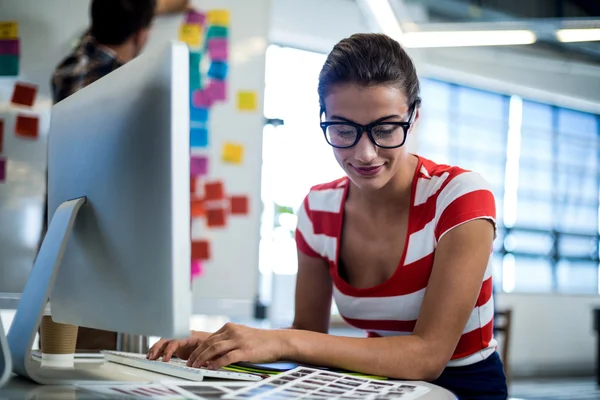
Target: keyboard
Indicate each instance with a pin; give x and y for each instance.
(175, 367)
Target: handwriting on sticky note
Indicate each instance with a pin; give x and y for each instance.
(239, 205)
(233, 153)
(190, 34)
(218, 17)
(2, 169)
(9, 46)
(195, 17)
(9, 30)
(200, 250)
(23, 94)
(197, 269)
(27, 126)
(198, 165)
(218, 49)
(247, 100)
(216, 218)
(217, 90)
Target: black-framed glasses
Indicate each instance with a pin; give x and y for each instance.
(384, 134)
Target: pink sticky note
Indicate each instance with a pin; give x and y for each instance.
(197, 269)
(217, 49)
(201, 98)
(217, 89)
(2, 169)
(195, 17)
(198, 165)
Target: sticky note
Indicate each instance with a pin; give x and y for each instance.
(198, 137)
(2, 169)
(218, 49)
(24, 94)
(193, 185)
(197, 208)
(27, 126)
(201, 98)
(1, 135)
(216, 32)
(239, 205)
(197, 269)
(198, 114)
(218, 17)
(198, 165)
(247, 100)
(216, 218)
(200, 250)
(218, 70)
(9, 46)
(9, 65)
(195, 75)
(214, 191)
(190, 34)
(195, 17)
(9, 30)
(217, 90)
(232, 153)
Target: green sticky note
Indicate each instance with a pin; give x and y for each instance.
(195, 76)
(9, 65)
(215, 31)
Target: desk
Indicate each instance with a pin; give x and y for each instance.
(19, 388)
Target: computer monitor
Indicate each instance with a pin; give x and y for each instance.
(117, 252)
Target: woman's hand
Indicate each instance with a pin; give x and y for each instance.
(233, 343)
(182, 348)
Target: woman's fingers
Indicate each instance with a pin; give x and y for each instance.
(226, 359)
(157, 349)
(216, 344)
(170, 349)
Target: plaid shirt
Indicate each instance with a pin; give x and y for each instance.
(89, 62)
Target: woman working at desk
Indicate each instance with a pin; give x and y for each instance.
(403, 245)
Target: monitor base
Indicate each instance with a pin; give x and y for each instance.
(5, 358)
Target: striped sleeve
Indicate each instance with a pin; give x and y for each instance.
(305, 237)
(464, 198)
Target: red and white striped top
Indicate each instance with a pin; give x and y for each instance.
(443, 197)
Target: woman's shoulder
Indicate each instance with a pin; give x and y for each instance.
(442, 175)
(327, 196)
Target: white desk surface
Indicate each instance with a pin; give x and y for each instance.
(19, 388)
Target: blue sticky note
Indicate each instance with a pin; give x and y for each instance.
(198, 137)
(198, 114)
(195, 76)
(218, 70)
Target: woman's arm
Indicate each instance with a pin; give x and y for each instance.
(461, 258)
(314, 292)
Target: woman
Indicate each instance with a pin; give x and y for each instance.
(402, 244)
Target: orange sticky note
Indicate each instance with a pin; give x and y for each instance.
(24, 94)
(214, 191)
(1, 135)
(239, 205)
(197, 208)
(232, 153)
(200, 250)
(216, 218)
(193, 185)
(27, 126)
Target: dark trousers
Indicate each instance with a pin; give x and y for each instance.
(484, 380)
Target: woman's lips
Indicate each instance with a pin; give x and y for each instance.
(367, 170)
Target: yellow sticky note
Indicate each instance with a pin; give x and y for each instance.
(247, 101)
(9, 30)
(233, 153)
(190, 34)
(218, 17)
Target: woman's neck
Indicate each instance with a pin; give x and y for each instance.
(395, 194)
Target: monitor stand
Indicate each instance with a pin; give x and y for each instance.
(5, 359)
(31, 307)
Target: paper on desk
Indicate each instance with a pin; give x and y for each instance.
(135, 391)
(204, 390)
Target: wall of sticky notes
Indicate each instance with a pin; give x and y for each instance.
(227, 40)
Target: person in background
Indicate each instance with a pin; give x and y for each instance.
(119, 31)
(402, 243)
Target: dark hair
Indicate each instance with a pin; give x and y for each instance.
(369, 59)
(114, 21)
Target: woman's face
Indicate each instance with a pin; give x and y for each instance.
(368, 166)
